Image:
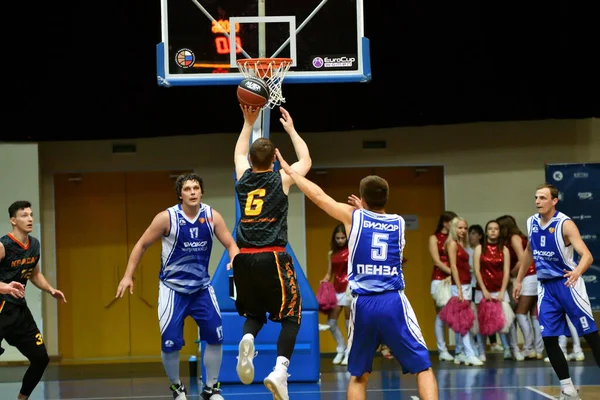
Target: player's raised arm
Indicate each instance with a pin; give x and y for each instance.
(340, 211)
(242, 147)
(572, 236)
(302, 166)
(158, 227)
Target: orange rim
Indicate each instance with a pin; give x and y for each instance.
(261, 65)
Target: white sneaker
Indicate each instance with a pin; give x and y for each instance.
(530, 354)
(518, 356)
(497, 347)
(179, 391)
(507, 354)
(460, 358)
(276, 382)
(445, 356)
(473, 361)
(338, 358)
(579, 356)
(482, 357)
(324, 327)
(548, 360)
(345, 360)
(245, 367)
(564, 396)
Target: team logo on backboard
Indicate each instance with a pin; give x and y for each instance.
(185, 58)
(317, 62)
(557, 175)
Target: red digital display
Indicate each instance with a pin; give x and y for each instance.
(221, 41)
(222, 45)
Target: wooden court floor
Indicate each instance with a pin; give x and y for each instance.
(496, 380)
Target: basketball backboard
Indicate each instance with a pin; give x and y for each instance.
(202, 39)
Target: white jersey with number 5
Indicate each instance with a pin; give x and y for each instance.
(375, 247)
(550, 253)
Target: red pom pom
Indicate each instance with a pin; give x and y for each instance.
(458, 315)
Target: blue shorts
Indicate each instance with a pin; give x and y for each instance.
(174, 307)
(555, 300)
(385, 318)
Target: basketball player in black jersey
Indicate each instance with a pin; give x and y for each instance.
(263, 272)
(19, 256)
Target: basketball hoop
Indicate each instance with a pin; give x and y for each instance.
(271, 70)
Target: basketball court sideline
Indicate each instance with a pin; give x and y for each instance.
(497, 380)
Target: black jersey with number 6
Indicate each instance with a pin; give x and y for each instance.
(18, 263)
(264, 209)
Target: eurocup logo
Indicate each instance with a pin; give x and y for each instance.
(317, 62)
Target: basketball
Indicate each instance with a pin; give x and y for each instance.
(253, 92)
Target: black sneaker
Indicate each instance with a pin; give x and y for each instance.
(213, 393)
(179, 392)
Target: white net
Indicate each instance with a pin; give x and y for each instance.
(271, 70)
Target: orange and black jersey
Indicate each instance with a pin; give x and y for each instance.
(264, 209)
(18, 263)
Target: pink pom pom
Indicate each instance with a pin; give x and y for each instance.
(491, 317)
(458, 315)
(326, 297)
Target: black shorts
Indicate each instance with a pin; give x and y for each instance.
(266, 282)
(17, 325)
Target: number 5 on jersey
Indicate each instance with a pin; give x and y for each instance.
(254, 203)
(379, 246)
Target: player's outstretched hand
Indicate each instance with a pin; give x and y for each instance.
(250, 113)
(355, 201)
(286, 120)
(572, 277)
(17, 285)
(126, 283)
(15, 289)
(284, 165)
(58, 295)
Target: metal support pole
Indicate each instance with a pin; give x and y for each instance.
(261, 127)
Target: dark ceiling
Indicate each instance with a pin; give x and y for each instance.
(87, 70)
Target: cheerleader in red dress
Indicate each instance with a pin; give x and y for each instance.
(458, 258)
(491, 263)
(441, 271)
(338, 270)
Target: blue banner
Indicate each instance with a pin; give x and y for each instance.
(579, 198)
